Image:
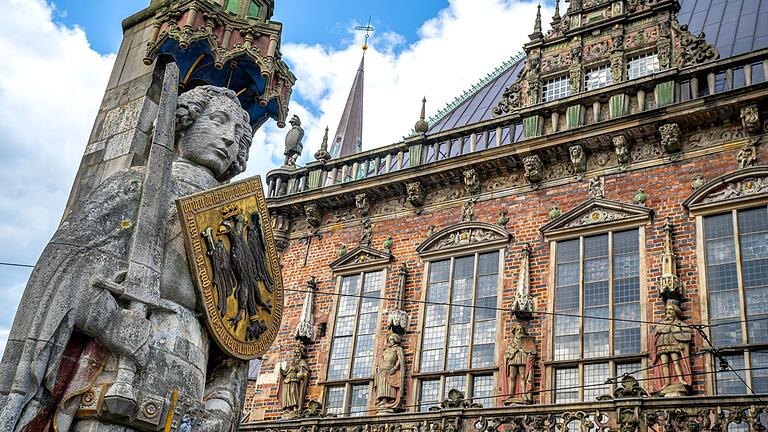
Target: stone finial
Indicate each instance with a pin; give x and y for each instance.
(537, 25)
(640, 197)
(747, 154)
(341, 251)
(750, 119)
(422, 127)
(305, 330)
(293, 144)
(397, 319)
(312, 215)
(556, 17)
(522, 306)
(388, 243)
(471, 182)
(554, 213)
(534, 169)
(621, 147)
(322, 155)
(578, 158)
(596, 187)
(670, 137)
(670, 283)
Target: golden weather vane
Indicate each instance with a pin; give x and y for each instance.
(368, 30)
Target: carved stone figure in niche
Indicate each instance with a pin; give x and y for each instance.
(468, 211)
(519, 359)
(389, 380)
(670, 137)
(67, 315)
(293, 384)
(471, 182)
(293, 145)
(312, 214)
(670, 354)
(578, 158)
(363, 205)
(415, 194)
(596, 187)
(621, 147)
(747, 155)
(750, 119)
(534, 169)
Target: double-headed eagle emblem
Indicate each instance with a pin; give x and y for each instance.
(235, 264)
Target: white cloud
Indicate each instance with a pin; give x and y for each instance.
(51, 84)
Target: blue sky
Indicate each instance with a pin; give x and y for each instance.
(58, 57)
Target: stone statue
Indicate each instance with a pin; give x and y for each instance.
(750, 119)
(670, 137)
(293, 384)
(621, 147)
(519, 359)
(670, 354)
(71, 335)
(471, 182)
(389, 380)
(468, 210)
(596, 187)
(747, 154)
(578, 158)
(293, 145)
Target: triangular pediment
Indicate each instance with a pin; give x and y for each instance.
(464, 236)
(596, 212)
(361, 258)
(736, 188)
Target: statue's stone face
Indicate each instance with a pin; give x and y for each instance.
(212, 140)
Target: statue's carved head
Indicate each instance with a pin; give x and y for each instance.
(213, 130)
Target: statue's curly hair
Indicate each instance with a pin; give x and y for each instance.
(195, 101)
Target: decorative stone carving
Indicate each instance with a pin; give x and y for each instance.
(315, 410)
(534, 169)
(596, 187)
(312, 215)
(468, 210)
(397, 317)
(455, 400)
(522, 306)
(519, 360)
(359, 258)
(281, 227)
(554, 213)
(629, 419)
(305, 330)
(621, 147)
(713, 137)
(415, 194)
(617, 68)
(630, 388)
(389, 379)
(322, 155)
(341, 251)
(293, 384)
(750, 119)
(578, 158)
(670, 283)
(747, 155)
(670, 137)
(471, 182)
(691, 50)
(363, 205)
(640, 197)
(293, 145)
(462, 235)
(503, 219)
(739, 189)
(698, 181)
(511, 100)
(366, 233)
(388, 243)
(670, 354)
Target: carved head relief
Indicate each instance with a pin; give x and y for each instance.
(213, 131)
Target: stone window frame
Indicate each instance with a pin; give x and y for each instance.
(700, 205)
(601, 67)
(641, 56)
(561, 82)
(348, 384)
(429, 254)
(557, 231)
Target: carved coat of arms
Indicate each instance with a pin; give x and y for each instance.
(234, 264)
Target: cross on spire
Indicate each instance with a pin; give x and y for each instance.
(368, 30)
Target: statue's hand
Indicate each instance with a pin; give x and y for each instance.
(122, 331)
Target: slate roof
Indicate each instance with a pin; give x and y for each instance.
(733, 26)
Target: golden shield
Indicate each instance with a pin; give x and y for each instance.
(233, 259)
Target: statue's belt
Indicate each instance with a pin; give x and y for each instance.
(153, 412)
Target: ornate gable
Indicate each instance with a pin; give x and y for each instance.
(740, 187)
(361, 258)
(464, 236)
(596, 213)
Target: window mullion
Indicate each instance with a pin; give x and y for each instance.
(446, 329)
(611, 326)
(740, 278)
(581, 298)
(472, 316)
(357, 323)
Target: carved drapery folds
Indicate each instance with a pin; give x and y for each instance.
(292, 388)
(670, 354)
(397, 317)
(305, 330)
(522, 306)
(596, 187)
(519, 360)
(389, 379)
(467, 235)
(468, 210)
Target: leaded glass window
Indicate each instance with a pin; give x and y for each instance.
(233, 6)
(598, 77)
(736, 255)
(597, 281)
(352, 346)
(556, 88)
(643, 65)
(253, 9)
(458, 342)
